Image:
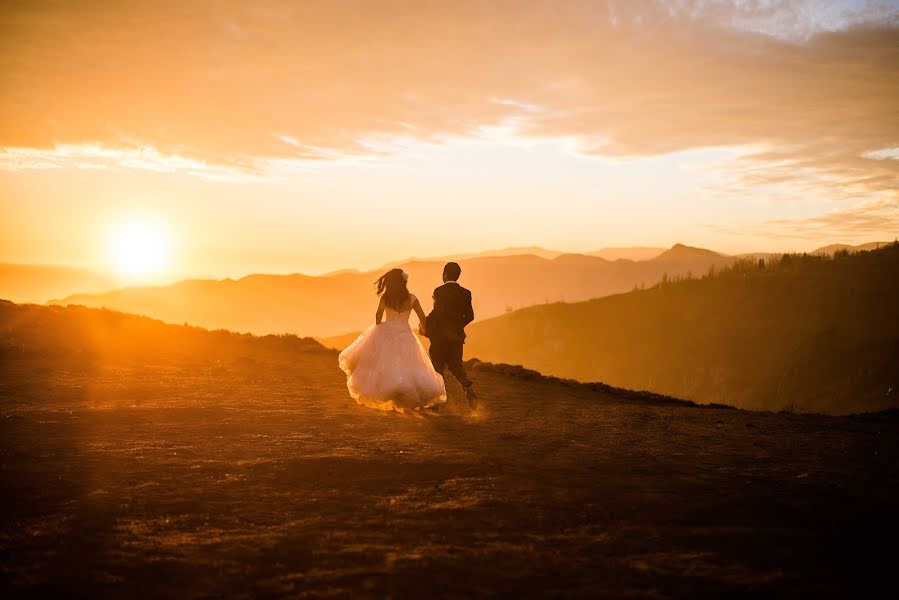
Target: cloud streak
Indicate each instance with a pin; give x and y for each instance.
(857, 222)
(101, 158)
(231, 83)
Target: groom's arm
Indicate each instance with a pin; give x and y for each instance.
(438, 302)
(467, 310)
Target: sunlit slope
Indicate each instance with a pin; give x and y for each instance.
(335, 304)
(809, 333)
(93, 336)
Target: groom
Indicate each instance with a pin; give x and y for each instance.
(446, 328)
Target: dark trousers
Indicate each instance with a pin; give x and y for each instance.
(449, 355)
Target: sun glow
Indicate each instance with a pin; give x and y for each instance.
(140, 249)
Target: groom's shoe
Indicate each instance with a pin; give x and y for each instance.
(472, 398)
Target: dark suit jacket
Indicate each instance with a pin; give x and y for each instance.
(452, 312)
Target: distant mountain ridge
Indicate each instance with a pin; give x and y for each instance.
(510, 251)
(635, 253)
(342, 301)
(44, 283)
(679, 254)
(849, 248)
(335, 304)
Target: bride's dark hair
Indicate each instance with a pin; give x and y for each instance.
(392, 285)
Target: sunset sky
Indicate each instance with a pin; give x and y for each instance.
(312, 136)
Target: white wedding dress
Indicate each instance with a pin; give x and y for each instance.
(388, 368)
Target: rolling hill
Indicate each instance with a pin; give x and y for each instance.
(343, 302)
(805, 333)
(635, 253)
(831, 249)
(141, 458)
(629, 253)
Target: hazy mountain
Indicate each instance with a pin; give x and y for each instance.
(511, 251)
(680, 254)
(849, 248)
(40, 283)
(338, 303)
(635, 253)
(814, 333)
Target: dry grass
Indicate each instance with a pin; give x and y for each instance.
(263, 479)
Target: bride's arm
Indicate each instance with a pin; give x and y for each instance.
(422, 320)
(379, 314)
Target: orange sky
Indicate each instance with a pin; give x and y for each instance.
(290, 136)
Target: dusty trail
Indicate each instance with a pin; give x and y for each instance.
(260, 479)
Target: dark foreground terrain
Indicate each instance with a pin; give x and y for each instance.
(255, 478)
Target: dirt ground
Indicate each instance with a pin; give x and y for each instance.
(254, 480)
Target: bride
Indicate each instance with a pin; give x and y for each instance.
(387, 367)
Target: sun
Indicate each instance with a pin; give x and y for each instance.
(140, 249)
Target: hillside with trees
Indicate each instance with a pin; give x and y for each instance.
(800, 332)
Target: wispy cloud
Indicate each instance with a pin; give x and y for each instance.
(873, 217)
(232, 83)
(857, 222)
(97, 157)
